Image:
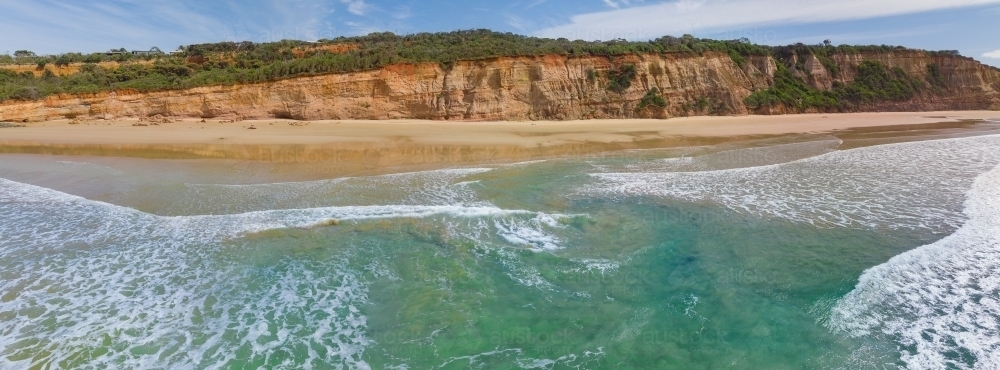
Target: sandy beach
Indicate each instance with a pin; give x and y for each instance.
(411, 142)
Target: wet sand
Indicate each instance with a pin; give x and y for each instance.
(360, 145)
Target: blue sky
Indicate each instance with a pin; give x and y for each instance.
(56, 26)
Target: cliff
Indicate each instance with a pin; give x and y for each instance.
(553, 87)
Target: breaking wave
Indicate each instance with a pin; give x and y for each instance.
(917, 185)
(940, 301)
(94, 285)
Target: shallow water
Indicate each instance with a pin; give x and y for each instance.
(779, 253)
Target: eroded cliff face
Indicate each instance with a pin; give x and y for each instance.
(526, 88)
(970, 85)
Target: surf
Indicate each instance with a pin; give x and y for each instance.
(914, 185)
(149, 286)
(940, 301)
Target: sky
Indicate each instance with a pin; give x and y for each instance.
(57, 26)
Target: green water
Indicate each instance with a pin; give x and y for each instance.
(644, 286)
(683, 295)
(585, 279)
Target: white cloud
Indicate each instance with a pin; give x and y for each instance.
(619, 3)
(702, 16)
(356, 7)
(995, 54)
(58, 26)
(536, 3)
(689, 5)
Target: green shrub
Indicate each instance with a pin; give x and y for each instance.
(652, 98)
(620, 79)
(89, 68)
(64, 60)
(829, 65)
(738, 59)
(702, 103)
(874, 83)
(935, 78)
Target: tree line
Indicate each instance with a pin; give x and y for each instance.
(227, 63)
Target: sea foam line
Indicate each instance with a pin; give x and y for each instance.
(519, 227)
(914, 185)
(437, 188)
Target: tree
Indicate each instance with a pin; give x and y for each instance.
(827, 43)
(41, 64)
(23, 56)
(63, 60)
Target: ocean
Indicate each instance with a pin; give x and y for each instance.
(835, 251)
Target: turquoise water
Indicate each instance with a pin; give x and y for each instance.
(784, 253)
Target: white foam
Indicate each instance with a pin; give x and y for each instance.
(80, 274)
(751, 157)
(516, 357)
(438, 187)
(697, 159)
(520, 227)
(521, 272)
(531, 232)
(525, 163)
(598, 265)
(917, 185)
(940, 301)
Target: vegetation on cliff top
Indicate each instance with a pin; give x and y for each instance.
(229, 63)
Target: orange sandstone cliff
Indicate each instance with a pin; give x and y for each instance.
(554, 87)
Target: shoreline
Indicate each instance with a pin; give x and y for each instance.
(398, 143)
